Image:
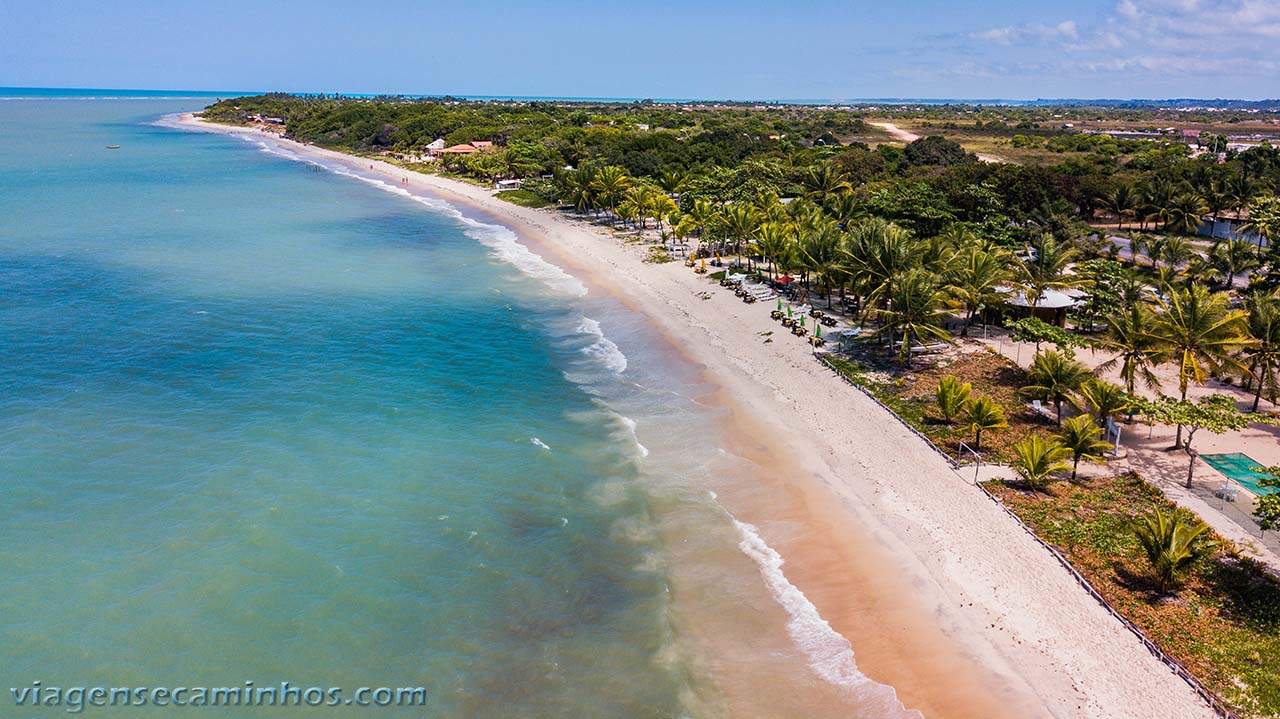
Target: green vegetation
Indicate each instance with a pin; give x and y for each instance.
(524, 198)
(1224, 622)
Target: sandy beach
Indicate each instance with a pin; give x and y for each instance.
(942, 595)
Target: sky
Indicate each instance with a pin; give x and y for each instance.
(707, 49)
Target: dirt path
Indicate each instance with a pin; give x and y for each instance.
(908, 136)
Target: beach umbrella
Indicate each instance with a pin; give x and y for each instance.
(779, 304)
(788, 310)
(817, 330)
(802, 320)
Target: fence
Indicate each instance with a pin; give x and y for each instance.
(950, 460)
(1215, 702)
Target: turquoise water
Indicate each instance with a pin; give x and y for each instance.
(271, 420)
(263, 422)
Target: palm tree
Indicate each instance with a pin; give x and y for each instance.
(1264, 219)
(914, 312)
(1045, 269)
(1198, 331)
(822, 180)
(1055, 377)
(672, 180)
(984, 415)
(741, 221)
(1128, 334)
(1240, 191)
(1081, 436)
(1106, 400)
(1175, 251)
(1186, 213)
(819, 252)
(977, 278)
(1122, 202)
(775, 240)
(877, 253)
(1038, 459)
(1172, 543)
(844, 208)
(610, 184)
(1264, 355)
(1237, 256)
(952, 397)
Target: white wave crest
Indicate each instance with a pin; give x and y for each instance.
(602, 348)
(501, 241)
(828, 652)
(539, 443)
(630, 426)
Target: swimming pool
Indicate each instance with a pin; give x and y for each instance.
(1240, 468)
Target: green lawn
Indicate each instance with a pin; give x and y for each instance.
(1223, 624)
(524, 198)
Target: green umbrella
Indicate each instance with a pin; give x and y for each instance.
(802, 320)
(817, 330)
(788, 310)
(779, 304)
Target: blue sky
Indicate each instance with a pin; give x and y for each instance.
(707, 49)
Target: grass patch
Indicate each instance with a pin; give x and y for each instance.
(658, 256)
(911, 396)
(523, 198)
(1223, 624)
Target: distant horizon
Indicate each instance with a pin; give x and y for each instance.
(192, 92)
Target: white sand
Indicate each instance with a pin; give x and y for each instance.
(984, 581)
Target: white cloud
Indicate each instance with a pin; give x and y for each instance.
(1028, 33)
(1144, 43)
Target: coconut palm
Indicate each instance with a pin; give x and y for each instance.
(844, 208)
(877, 253)
(1037, 459)
(1234, 257)
(952, 397)
(1055, 377)
(1173, 544)
(775, 241)
(1045, 269)
(610, 185)
(1122, 202)
(1264, 219)
(1240, 191)
(819, 252)
(1197, 331)
(822, 180)
(741, 222)
(984, 415)
(1128, 334)
(1082, 437)
(1106, 400)
(977, 278)
(672, 180)
(1176, 251)
(913, 312)
(1186, 213)
(1263, 356)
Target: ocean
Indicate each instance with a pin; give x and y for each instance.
(269, 420)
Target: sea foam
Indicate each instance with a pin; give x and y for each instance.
(501, 241)
(602, 348)
(828, 652)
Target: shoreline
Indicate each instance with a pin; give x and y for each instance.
(942, 596)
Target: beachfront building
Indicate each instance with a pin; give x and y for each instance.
(1051, 307)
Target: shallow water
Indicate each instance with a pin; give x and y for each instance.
(268, 420)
